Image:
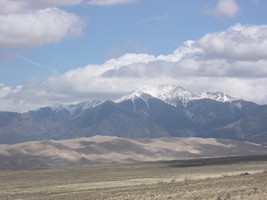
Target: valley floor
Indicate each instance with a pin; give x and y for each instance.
(161, 180)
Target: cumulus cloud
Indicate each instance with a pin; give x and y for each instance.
(239, 42)
(225, 8)
(110, 2)
(32, 23)
(226, 61)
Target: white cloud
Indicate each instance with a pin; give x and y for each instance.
(234, 66)
(5, 90)
(19, 6)
(110, 2)
(9, 6)
(25, 24)
(225, 8)
(239, 42)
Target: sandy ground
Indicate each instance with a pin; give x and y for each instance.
(245, 180)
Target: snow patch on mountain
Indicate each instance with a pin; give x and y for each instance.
(217, 96)
(77, 108)
(174, 95)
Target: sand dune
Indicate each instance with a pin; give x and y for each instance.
(107, 149)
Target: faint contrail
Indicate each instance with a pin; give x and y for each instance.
(55, 72)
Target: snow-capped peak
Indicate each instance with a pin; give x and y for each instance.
(135, 95)
(174, 95)
(170, 94)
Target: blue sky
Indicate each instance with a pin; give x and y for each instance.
(72, 50)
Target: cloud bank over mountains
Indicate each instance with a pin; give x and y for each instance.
(233, 61)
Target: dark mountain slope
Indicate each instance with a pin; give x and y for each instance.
(174, 113)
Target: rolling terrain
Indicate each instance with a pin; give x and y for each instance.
(110, 149)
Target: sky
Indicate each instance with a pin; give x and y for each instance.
(70, 51)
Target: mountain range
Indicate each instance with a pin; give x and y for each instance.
(148, 112)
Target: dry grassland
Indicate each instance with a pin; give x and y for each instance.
(144, 181)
